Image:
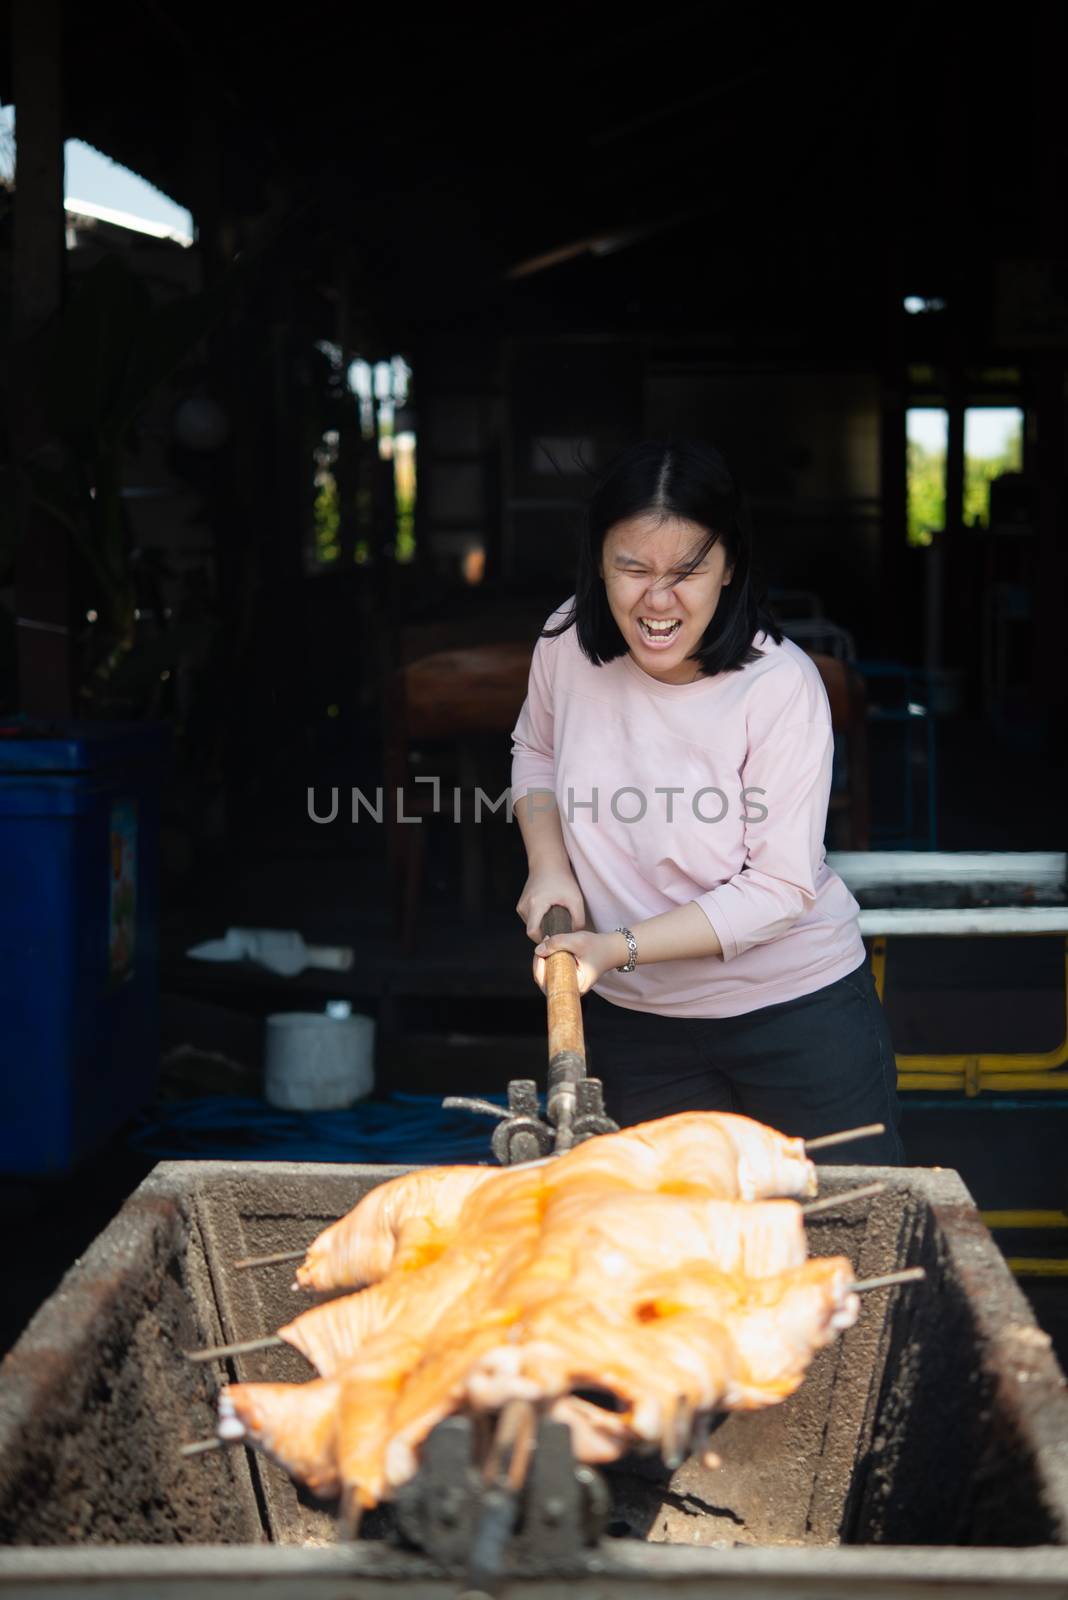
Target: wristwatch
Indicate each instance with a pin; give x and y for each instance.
(632, 946)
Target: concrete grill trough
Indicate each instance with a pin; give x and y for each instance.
(926, 1452)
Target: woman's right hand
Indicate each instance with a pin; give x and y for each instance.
(550, 887)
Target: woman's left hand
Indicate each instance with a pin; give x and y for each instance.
(595, 953)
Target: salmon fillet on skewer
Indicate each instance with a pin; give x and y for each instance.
(716, 1153)
(655, 1339)
(418, 1346)
(649, 1264)
(581, 1239)
(401, 1223)
(721, 1353)
(409, 1220)
(727, 1346)
(293, 1423)
(718, 1341)
(500, 1231)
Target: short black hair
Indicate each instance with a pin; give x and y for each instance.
(674, 478)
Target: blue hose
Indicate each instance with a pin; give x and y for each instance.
(407, 1129)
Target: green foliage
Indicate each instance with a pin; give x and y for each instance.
(326, 518)
(927, 486)
(926, 493)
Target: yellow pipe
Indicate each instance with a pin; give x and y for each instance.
(1025, 1219)
(979, 1071)
(1008, 1082)
(1039, 1266)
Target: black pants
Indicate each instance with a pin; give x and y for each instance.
(808, 1066)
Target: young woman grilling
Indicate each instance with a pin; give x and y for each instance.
(671, 770)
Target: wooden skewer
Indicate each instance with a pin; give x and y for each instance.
(522, 1451)
(829, 1202)
(200, 1446)
(512, 1443)
(677, 1441)
(826, 1140)
(888, 1279)
(269, 1261)
(349, 1516)
(216, 1352)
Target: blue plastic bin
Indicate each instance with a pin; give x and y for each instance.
(79, 935)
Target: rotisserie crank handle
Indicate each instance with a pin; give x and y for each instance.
(567, 1046)
(470, 1102)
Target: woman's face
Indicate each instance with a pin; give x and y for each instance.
(661, 610)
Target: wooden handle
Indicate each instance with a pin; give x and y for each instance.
(556, 920)
(562, 992)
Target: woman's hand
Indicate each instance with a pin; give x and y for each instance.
(550, 887)
(595, 954)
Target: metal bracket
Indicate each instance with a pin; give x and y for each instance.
(449, 1510)
(522, 1134)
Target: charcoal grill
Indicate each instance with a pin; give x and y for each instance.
(927, 1448)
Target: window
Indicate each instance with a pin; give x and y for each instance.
(368, 429)
(993, 444)
(927, 432)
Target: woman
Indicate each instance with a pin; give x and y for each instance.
(670, 776)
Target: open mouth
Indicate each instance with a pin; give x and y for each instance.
(659, 632)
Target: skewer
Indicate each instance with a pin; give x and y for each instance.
(349, 1516)
(826, 1140)
(677, 1440)
(201, 1445)
(509, 1453)
(504, 1473)
(269, 1261)
(246, 1347)
(829, 1201)
(700, 1445)
(888, 1279)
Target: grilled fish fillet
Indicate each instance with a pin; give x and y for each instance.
(409, 1221)
(648, 1265)
(582, 1241)
(699, 1342)
(404, 1223)
(673, 1302)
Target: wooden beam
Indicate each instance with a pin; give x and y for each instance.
(893, 486)
(42, 566)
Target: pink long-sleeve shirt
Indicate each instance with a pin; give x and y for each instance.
(714, 791)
